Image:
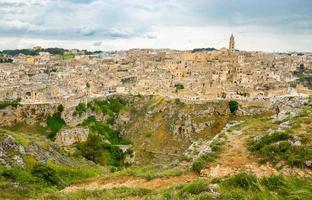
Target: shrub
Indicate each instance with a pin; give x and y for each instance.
(46, 173)
(276, 147)
(92, 149)
(233, 105)
(199, 164)
(60, 108)
(195, 187)
(89, 120)
(80, 109)
(55, 123)
(179, 86)
(9, 174)
(6, 103)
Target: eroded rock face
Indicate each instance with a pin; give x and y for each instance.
(13, 153)
(29, 114)
(69, 136)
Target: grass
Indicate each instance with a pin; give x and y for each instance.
(26, 128)
(106, 194)
(68, 56)
(277, 147)
(33, 182)
(150, 172)
(202, 161)
(240, 186)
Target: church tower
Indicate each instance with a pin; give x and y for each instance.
(232, 44)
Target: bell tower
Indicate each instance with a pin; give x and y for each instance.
(232, 44)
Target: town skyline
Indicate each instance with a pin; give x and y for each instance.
(279, 26)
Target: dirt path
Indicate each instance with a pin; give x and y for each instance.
(237, 158)
(128, 181)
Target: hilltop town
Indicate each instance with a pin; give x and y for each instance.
(155, 124)
(190, 75)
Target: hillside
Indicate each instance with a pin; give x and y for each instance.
(150, 147)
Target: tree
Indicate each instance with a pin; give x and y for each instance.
(233, 105)
(60, 108)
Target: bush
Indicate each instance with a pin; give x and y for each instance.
(179, 86)
(199, 164)
(276, 147)
(93, 150)
(195, 187)
(47, 174)
(9, 174)
(233, 105)
(6, 103)
(60, 108)
(55, 123)
(80, 109)
(89, 120)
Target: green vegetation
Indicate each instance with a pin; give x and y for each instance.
(202, 161)
(150, 172)
(233, 105)
(102, 144)
(60, 108)
(103, 151)
(80, 109)
(179, 86)
(68, 56)
(106, 194)
(304, 76)
(47, 174)
(277, 147)
(53, 51)
(100, 152)
(34, 181)
(240, 186)
(109, 107)
(5, 60)
(245, 186)
(55, 123)
(6, 103)
(195, 187)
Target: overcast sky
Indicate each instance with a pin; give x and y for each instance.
(265, 25)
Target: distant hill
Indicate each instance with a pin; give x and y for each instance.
(53, 51)
(203, 49)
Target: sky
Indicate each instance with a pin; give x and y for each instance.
(261, 25)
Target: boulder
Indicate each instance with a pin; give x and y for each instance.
(69, 136)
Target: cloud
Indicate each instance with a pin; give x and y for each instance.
(97, 44)
(139, 20)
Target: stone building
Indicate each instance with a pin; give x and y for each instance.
(232, 44)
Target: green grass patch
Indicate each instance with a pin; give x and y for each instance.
(150, 172)
(277, 146)
(6, 103)
(106, 194)
(203, 160)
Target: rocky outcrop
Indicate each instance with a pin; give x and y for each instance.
(13, 153)
(28, 113)
(69, 136)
